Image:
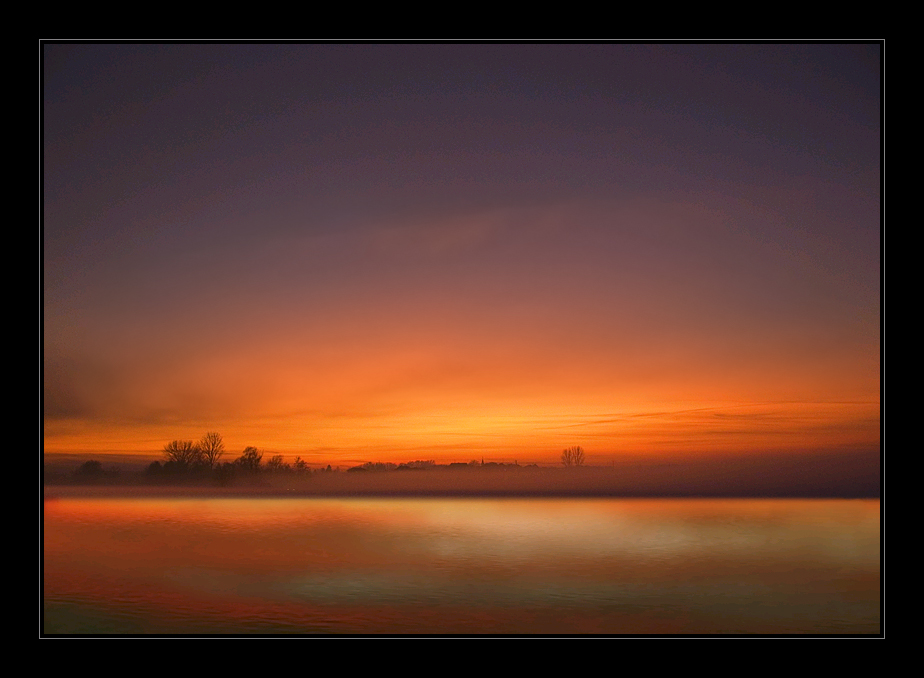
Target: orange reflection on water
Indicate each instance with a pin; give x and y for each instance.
(383, 563)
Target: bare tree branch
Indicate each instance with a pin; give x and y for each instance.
(183, 453)
(573, 456)
(212, 447)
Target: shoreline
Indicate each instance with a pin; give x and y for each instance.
(56, 492)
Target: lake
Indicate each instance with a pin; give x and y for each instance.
(204, 566)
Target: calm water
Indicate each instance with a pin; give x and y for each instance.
(482, 566)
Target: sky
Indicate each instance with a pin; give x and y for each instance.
(460, 251)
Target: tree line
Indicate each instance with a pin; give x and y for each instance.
(184, 457)
(202, 460)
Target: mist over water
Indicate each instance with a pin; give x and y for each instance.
(847, 474)
(454, 565)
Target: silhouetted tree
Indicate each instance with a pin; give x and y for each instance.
(418, 464)
(183, 454)
(93, 470)
(250, 459)
(573, 456)
(212, 447)
(378, 466)
(89, 469)
(277, 464)
(300, 465)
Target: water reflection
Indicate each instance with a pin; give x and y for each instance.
(461, 566)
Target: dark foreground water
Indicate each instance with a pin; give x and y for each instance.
(478, 566)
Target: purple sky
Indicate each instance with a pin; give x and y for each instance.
(360, 252)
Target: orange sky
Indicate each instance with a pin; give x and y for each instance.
(473, 273)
